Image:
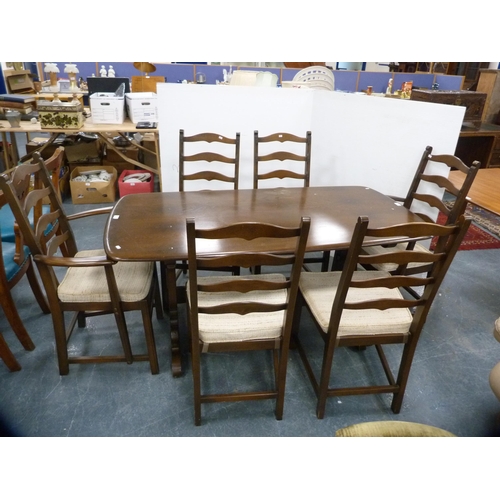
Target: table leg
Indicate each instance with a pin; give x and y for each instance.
(14, 151)
(339, 258)
(170, 301)
(6, 158)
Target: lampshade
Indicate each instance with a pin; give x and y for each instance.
(71, 68)
(145, 67)
(51, 68)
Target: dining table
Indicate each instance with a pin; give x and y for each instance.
(152, 226)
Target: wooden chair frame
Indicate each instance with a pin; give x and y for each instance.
(450, 238)
(280, 155)
(45, 247)
(208, 156)
(23, 258)
(452, 214)
(247, 256)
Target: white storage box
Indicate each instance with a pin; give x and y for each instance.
(106, 107)
(141, 106)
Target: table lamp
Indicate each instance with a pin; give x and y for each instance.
(52, 70)
(72, 71)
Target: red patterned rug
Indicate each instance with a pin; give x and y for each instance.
(477, 238)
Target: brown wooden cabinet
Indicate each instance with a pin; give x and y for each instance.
(489, 83)
(481, 144)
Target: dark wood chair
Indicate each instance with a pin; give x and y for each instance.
(7, 356)
(192, 167)
(370, 308)
(12, 270)
(418, 201)
(227, 170)
(266, 158)
(242, 313)
(16, 259)
(298, 165)
(91, 284)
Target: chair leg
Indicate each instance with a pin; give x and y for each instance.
(150, 338)
(403, 374)
(10, 310)
(196, 369)
(325, 261)
(7, 356)
(339, 257)
(123, 332)
(37, 291)
(281, 382)
(195, 357)
(82, 319)
(61, 341)
(157, 297)
(324, 382)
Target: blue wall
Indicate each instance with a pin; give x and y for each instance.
(345, 80)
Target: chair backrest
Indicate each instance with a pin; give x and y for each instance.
(223, 173)
(246, 249)
(302, 162)
(449, 239)
(460, 193)
(52, 231)
(53, 166)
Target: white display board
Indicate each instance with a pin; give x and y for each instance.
(356, 139)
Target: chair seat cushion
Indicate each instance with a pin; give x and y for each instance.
(495, 380)
(235, 327)
(319, 291)
(89, 284)
(376, 250)
(8, 252)
(496, 330)
(392, 428)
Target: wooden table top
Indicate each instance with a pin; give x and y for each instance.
(152, 226)
(88, 126)
(485, 190)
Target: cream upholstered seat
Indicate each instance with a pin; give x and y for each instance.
(92, 284)
(134, 280)
(242, 313)
(234, 327)
(390, 267)
(368, 308)
(319, 290)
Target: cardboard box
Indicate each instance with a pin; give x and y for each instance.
(131, 152)
(106, 107)
(84, 152)
(93, 192)
(142, 106)
(66, 115)
(135, 187)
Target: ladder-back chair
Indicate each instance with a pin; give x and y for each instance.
(92, 284)
(370, 308)
(243, 313)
